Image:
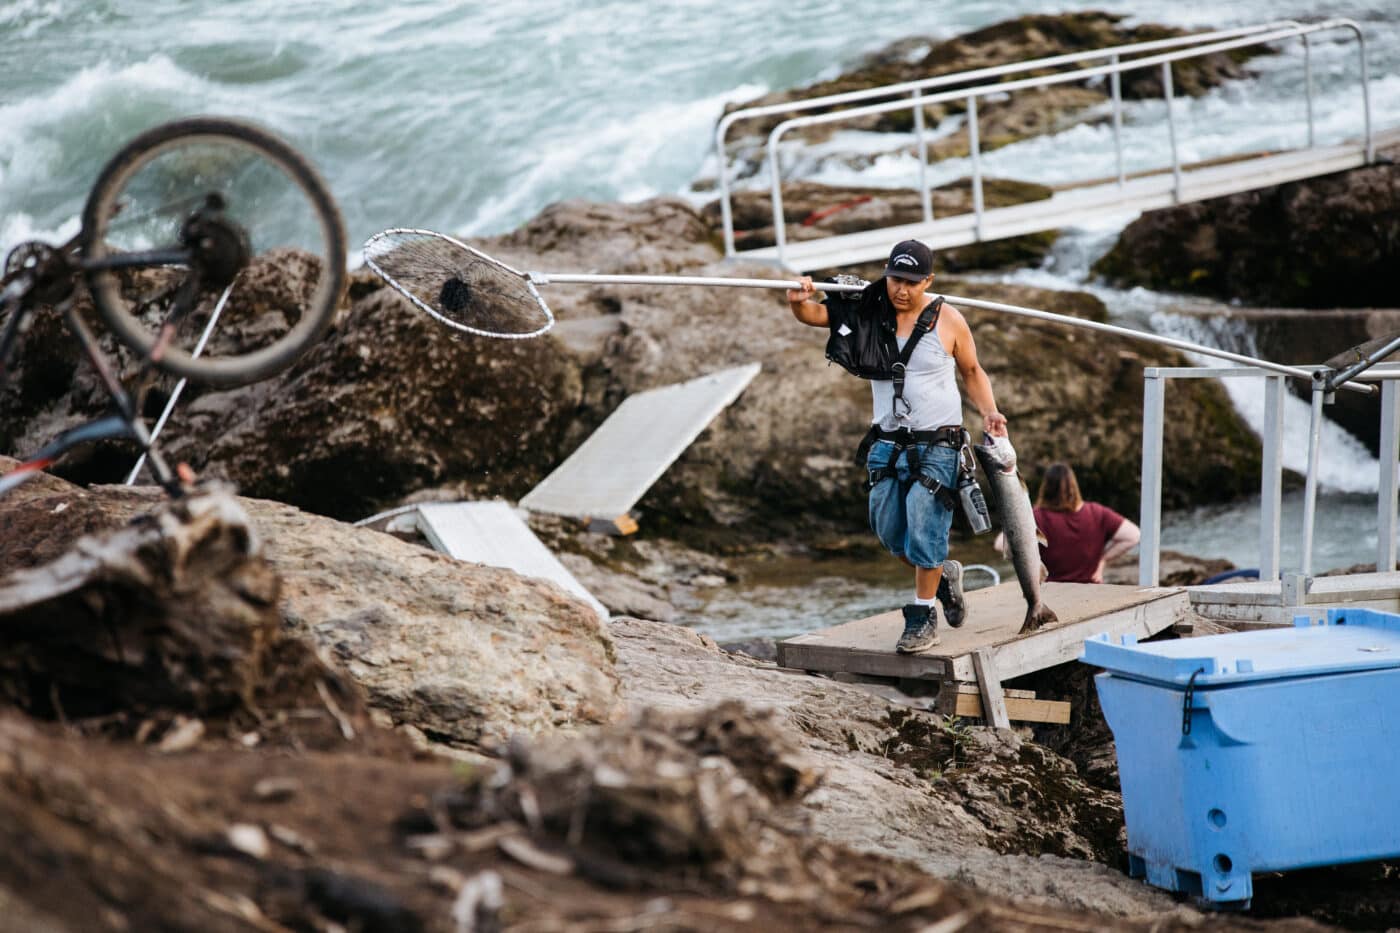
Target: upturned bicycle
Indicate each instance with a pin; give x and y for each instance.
(185, 228)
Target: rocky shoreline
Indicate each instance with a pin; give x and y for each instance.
(241, 712)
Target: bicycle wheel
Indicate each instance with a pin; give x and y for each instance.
(213, 218)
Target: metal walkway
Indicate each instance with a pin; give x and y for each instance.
(1078, 205)
(617, 464)
(495, 534)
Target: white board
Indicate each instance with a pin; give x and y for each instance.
(492, 533)
(617, 464)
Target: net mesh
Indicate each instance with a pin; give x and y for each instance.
(458, 285)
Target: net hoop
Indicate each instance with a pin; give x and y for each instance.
(378, 270)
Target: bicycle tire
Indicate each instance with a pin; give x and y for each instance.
(103, 205)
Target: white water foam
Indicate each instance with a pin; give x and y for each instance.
(622, 155)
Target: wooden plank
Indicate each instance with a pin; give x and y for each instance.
(993, 701)
(1018, 709)
(994, 617)
(1062, 643)
(616, 465)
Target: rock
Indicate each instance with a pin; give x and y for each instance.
(469, 654)
(175, 612)
(1325, 242)
(904, 784)
(1308, 338)
(1015, 40)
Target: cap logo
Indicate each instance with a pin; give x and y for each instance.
(904, 259)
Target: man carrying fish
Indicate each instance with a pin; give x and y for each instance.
(909, 344)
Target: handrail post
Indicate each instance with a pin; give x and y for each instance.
(975, 144)
(1365, 93)
(1271, 480)
(1308, 86)
(924, 195)
(1115, 81)
(779, 224)
(1386, 504)
(1150, 509)
(1319, 391)
(1171, 130)
(726, 213)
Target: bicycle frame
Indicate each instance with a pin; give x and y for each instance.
(125, 423)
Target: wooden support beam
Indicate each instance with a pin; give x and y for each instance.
(1021, 706)
(618, 527)
(989, 682)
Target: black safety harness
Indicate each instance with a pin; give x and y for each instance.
(928, 320)
(904, 439)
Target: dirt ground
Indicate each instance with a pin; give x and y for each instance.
(172, 757)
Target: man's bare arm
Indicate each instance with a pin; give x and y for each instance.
(975, 380)
(804, 305)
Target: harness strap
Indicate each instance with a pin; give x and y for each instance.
(928, 320)
(889, 471)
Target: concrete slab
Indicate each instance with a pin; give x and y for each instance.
(494, 534)
(995, 614)
(617, 464)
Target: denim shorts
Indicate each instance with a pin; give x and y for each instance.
(905, 515)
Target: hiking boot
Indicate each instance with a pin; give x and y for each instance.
(950, 593)
(920, 629)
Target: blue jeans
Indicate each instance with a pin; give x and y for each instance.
(905, 515)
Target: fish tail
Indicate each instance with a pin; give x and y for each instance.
(1037, 617)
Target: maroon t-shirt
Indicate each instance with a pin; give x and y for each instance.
(1075, 540)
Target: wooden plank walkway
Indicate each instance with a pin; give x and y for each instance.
(1078, 205)
(866, 646)
(1254, 602)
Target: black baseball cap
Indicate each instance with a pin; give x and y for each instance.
(910, 260)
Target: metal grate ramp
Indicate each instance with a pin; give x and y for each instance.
(617, 464)
(492, 533)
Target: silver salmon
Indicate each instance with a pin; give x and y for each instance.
(998, 459)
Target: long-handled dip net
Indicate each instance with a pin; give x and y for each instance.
(468, 290)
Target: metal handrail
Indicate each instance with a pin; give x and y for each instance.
(916, 88)
(1113, 68)
(1271, 472)
(1296, 372)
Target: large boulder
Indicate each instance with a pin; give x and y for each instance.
(464, 653)
(1324, 242)
(1307, 338)
(391, 404)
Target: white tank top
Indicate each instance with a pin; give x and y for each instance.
(930, 389)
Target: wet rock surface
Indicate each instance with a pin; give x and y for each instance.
(1324, 242)
(1021, 39)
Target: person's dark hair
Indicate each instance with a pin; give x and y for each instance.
(1059, 491)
